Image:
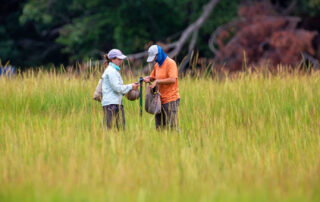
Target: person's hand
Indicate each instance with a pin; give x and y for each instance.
(135, 86)
(154, 84)
(146, 79)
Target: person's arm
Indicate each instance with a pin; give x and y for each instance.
(148, 79)
(117, 86)
(165, 81)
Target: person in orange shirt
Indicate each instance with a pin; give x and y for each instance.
(165, 76)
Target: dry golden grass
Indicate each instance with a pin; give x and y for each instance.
(254, 137)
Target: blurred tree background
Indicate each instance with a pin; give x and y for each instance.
(41, 32)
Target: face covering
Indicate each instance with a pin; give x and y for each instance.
(161, 56)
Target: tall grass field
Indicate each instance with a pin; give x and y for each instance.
(250, 137)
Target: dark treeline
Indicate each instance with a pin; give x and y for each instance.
(41, 32)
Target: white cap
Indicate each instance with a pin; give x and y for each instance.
(115, 53)
(152, 52)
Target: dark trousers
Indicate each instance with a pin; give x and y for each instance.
(111, 116)
(168, 115)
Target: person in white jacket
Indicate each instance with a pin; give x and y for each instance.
(113, 89)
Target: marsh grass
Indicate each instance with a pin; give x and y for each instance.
(247, 137)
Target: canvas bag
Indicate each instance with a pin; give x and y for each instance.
(152, 100)
(97, 95)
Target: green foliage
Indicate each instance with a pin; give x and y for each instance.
(7, 47)
(308, 7)
(36, 11)
(88, 28)
(35, 32)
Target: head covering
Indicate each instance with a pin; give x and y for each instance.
(156, 50)
(116, 53)
(152, 52)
